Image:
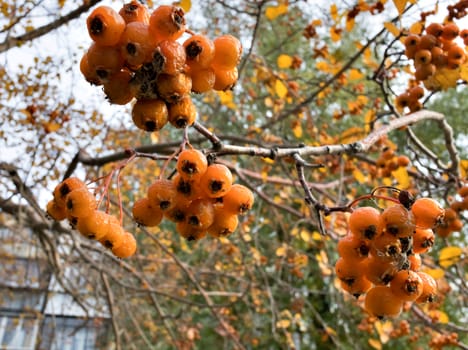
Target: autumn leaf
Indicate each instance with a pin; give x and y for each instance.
(375, 343)
(464, 168)
(392, 29)
(400, 5)
(435, 273)
(186, 5)
(284, 61)
(449, 256)
(272, 12)
(280, 88)
(402, 176)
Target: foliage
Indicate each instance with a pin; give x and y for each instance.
(305, 128)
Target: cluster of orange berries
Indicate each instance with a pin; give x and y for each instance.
(436, 49)
(380, 256)
(411, 99)
(201, 198)
(389, 161)
(73, 201)
(452, 222)
(441, 340)
(135, 54)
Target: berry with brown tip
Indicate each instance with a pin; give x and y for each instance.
(364, 221)
(105, 26)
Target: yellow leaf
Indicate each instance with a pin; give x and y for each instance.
(350, 25)
(334, 12)
(284, 61)
(392, 28)
(439, 316)
(359, 176)
(435, 273)
(305, 235)
(464, 168)
(368, 119)
(281, 251)
(335, 34)
(449, 256)
(416, 28)
(186, 5)
(401, 175)
(280, 88)
(400, 5)
(375, 344)
(273, 12)
(283, 324)
(297, 130)
(355, 74)
(464, 72)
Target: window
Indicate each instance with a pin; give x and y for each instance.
(18, 333)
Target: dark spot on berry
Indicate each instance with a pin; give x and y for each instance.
(131, 49)
(64, 190)
(102, 73)
(184, 187)
(370, 232)
(164, 204)
(392, 250)
(190, 238)
(386, 278)
(181, 122)
(189, 167)
(393, 230)
(69, 204)
(178, 216)
(193, 220)
(178, 17)
(406, 199)
(97, 27)
(150, 125)
(108, 244)
(363, 250)
(193, 50)
(216, 186)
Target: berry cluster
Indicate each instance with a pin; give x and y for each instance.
(389, 161)
(73, 201)
(410, 98)
(452, 222)
(436, 49)
(380, 256)
(201, 198)
(135, 54)
(439, 341)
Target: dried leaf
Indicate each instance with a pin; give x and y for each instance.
(449, 256)
(272, 12)
(284, 61)
(280, 88)
(392, 28)
(400, 5)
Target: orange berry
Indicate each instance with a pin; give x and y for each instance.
(386, 246)
(105, 26)
(456, 53)
(363, 222)
(178, 210)
(412, 41)
(427, 212)
(134, 11)
(216, 181)
(456, 225)
(415, 262)
(423, 240)
(187, 189)
(80, 203)
(104, 60)
(424, 71)
(416, 92)
(145, 214)
(167, 23)
(172, 88)
(403, 100)
(150, 115)
(403, 161)
(224, 224)
(435, 29)
(95, 225)
(348, 271)
(464, 34)
(200, 213)
(114, 236)
(56, 212)
(429, 290)
(62, 190)
(427, 42)
(351, 247)
(406, 285)
(450, 31)
(397, 220)
(119, 88)
(380, 271)
(227, 52)
(202, 79)
(162, 194)
(381, 302)
(191, 163)
(189, 232)
(439, 57)
(89, 74)
(199, 50)
(170, 57)
(463, 191)
(182, 113)
(136, 45)
(225, 79)
(360, 286)
(422, 57)
(127, 248)
(238, 200)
